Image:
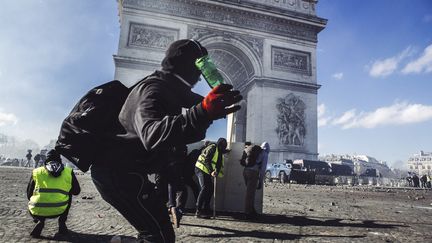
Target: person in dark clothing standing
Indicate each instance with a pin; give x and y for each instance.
(210, 164)
(36, 160)
(154, 124)
(255, 161)
(50, 191)
(423, 181)
(416, 180)
(176, 186)
(29, 157)
(189, 172)
(179, 175)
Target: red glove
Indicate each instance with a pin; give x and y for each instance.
(219, 98)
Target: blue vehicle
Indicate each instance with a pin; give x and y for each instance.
(279, 171)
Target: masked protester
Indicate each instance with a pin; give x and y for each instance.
(210, 164)
(50, 193)
(254, 160)
(154, 124)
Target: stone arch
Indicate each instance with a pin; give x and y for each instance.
(235, 60)
(239, 65)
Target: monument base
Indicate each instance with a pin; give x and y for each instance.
(230, 189)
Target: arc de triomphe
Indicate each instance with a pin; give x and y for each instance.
(265, 48)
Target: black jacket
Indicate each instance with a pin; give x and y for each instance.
(154, 123)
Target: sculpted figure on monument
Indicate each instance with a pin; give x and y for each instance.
(291, 128)
(144, 36)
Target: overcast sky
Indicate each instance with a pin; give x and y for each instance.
(374, 65)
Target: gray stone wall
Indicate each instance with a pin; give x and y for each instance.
(265, 48)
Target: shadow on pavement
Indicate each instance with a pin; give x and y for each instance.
(84, 237)
(259, 234)
(307, 221)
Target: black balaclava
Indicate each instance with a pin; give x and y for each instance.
(180, 59)
(53, 163)
(222, 144)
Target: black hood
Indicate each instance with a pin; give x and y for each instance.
(222, 144)
(180, 59)
(53, 163)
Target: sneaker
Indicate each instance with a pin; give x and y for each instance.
(37, 230)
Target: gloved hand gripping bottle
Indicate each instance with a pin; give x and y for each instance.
(209, 71)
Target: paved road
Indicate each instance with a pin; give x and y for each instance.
(292, 213)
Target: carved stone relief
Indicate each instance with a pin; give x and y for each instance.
(291, 61)
(209, 12)
(146, 36)
(291, 127)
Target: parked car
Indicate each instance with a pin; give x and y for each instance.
(280, 171)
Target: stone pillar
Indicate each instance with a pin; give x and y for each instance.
(230, 189)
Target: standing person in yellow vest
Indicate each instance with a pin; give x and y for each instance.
(50, 193)
(210, 164)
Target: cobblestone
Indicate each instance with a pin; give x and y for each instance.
(291, 213)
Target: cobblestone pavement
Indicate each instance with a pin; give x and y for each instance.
(291, 213)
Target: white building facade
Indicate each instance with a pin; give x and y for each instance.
(421, 163)
(360, 163)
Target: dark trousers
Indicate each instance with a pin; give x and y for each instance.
(206, 192)
(177, 196)
(170, 186)
(251, 178)
(178, 193)
(61, 218)
(134, 196)
(193, 186)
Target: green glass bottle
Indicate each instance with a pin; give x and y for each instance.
(209, 71)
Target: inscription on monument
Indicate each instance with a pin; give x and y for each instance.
(147, 36)
(291, 127)
(291, 61)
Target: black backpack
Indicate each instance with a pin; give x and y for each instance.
(250, 155)
(91, 127)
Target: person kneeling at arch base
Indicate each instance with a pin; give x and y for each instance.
(50, 193)
(210, 164)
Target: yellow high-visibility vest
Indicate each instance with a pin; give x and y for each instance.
(51, 194)
(201, 165)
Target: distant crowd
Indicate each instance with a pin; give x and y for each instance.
(29, 161)
(414, 181)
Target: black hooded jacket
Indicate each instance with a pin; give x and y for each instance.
(152, 117)
(152, 113)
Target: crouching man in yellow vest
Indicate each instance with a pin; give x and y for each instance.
(210, 164)
(50, 193)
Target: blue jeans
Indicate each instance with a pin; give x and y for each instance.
(206, 192)
(134, 196)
